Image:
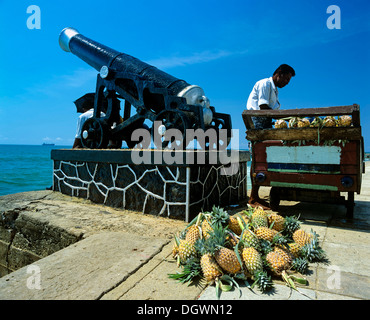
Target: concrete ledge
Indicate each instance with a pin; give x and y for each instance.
(85, 270)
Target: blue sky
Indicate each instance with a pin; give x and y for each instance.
(222, 46)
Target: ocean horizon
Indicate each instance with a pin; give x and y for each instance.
(26, 167)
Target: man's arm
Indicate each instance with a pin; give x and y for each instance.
(264, 94)
(77, 143)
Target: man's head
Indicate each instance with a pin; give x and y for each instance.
(282, 75)
(85, 103)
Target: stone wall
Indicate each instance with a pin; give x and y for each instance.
(28, 234)
(177, 190)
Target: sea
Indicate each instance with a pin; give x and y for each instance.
(26, 167)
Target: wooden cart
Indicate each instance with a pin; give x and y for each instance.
(313, 164)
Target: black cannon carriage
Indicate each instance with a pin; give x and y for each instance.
(168, 102)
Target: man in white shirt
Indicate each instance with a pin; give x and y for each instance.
(80, 122)
(264, 96)
(85, 105)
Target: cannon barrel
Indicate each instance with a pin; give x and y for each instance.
(98, 56)
(156, 95)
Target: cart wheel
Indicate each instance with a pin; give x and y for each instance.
(350, 204)
(274, 198)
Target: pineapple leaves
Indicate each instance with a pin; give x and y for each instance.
(289, 279)
(299, 280)
(194, 221)
(227, 286)
(218, 290)
(236, 250)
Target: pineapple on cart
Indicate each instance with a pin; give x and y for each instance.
(312, 154)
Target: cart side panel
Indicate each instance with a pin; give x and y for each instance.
(318, 167)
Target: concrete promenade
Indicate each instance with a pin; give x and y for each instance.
(127, 256)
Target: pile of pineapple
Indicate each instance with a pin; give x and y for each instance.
(250, 245)
(329, 121)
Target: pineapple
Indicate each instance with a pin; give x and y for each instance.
(280, 124)
(301, 237)
(243, 221)
(312, 250)
(303, 123)
(295, 249)
(209, 247)
(211, 270)
(226, 258)
(259, 218)
(266, 233)
(254, 264)
(277, 262)
(175, 250)
(249, 239)
(252, 260)
(219, 216)
(330, 121)
(293, 122)
(345, 121)
(231, 240)
(291, 224)
(317, 122)
(234, 225)
(206, 228)
(186, 250)
(287, 256)
(277, 222)
(192, 232)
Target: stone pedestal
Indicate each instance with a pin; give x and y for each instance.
(176, 184)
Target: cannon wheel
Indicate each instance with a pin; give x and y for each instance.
(170, 119)
(222, 140)
(94, 134)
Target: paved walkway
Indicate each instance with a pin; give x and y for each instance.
(346, 276)
(116, 263)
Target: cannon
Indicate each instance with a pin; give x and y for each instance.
(168, 102)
